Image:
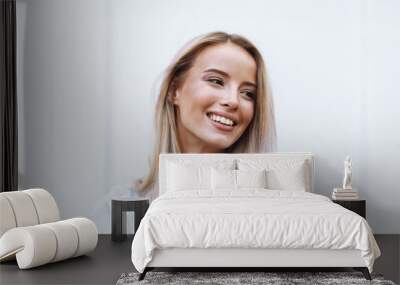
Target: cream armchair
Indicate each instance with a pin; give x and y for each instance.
(31, 230)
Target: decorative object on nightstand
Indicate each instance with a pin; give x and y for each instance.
(341, 194)
(119, 207)
(346, 192)
(357, 206)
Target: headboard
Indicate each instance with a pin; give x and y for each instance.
(216, 157)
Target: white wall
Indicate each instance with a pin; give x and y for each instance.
(89, 72)
(380, 137)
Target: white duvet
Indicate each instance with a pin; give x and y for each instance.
(252, 218)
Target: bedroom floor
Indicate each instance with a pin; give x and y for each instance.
(111, 259)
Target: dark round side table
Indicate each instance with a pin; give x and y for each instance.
(119, 207)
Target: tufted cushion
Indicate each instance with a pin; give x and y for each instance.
(27, 208)
(7, 220)
(23, 209)
(37, 245)
(45, 205)
(31, 232)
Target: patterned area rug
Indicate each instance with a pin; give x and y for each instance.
(269, 278)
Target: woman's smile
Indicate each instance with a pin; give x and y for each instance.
(221, 122)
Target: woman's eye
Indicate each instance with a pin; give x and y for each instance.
(249, 94)
(216, 81)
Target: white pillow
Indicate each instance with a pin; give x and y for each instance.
(223, 179)
(237, 179)
(288, 179)
(185, 175)
(251, 178)
(282, 174)
(182, 177)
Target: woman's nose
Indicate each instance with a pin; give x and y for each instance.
(230, 99)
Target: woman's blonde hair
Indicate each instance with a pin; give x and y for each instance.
(259, 135)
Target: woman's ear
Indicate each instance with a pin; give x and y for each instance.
(174, 94)
(175, 97)
(172, 98)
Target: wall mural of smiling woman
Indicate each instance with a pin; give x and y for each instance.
(215, 97)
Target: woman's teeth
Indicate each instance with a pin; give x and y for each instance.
(221, 119)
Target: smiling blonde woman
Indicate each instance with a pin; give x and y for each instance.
(214, 97)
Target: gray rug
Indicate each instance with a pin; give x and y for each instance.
(230, 278)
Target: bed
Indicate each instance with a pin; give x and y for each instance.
(247, 210)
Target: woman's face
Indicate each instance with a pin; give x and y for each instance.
(215, 103)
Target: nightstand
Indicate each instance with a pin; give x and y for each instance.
(119, 207)
(357, 206)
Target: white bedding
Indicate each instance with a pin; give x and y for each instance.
(251, 218)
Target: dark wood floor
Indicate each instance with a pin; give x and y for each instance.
(111, 259)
